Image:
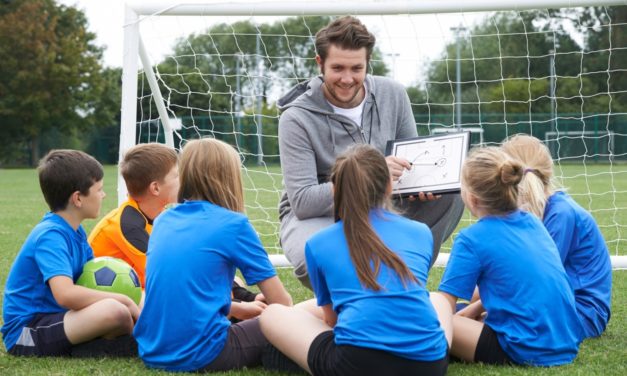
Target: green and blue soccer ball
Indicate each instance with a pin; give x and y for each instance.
(111, 274)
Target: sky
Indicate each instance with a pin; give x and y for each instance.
(406, 58)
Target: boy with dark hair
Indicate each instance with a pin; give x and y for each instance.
(44, 312)
(150, 172)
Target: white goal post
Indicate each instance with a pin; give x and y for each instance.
(153, 85)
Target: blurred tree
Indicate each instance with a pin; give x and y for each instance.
(49, 77)
(204, 72)
(103, 140)
(603, 31)
(218, 81)
(504, 68)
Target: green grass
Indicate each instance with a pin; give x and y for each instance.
(23, 206)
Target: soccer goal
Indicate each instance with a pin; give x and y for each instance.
(553, 69)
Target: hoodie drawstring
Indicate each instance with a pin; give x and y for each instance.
(331, 131)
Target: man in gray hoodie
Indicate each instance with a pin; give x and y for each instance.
(323, 117)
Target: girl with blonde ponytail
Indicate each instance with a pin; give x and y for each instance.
(530, 308)
(368, 272)
(579, 241)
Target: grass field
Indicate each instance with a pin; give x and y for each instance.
(22, 206)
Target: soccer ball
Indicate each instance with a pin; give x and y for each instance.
(112, 275)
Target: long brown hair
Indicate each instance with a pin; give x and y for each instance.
(360, 180)
(492, 177)
(538, 182)
(209, 170)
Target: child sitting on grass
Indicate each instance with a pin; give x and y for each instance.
(151, 175)
(368, 272)
(579, 241)
(192, 256)
(150, 172)
(531, 317)
(45, 313)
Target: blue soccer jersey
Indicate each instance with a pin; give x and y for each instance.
(52, 249)
(396, 319)
(585, 257)
(192, 255)
(523, 287)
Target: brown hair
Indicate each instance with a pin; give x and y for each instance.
(360, 180)
(63, 172)
(210, 170)
(492, 177)
(145, 163)
(538, 181)
(347, 33)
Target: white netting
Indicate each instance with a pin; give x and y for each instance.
(559, 75)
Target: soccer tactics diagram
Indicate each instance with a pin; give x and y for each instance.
(436, 163)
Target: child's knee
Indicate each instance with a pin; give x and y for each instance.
(116, 313)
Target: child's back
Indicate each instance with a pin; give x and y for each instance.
(523, 287)
(530, 316)
(579, 241)
(388, 326)
(585, 257)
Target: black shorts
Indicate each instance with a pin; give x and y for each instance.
(327, 358)
(244, 347)
(489, 350)
(43, 336)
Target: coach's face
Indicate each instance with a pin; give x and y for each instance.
(344, 72)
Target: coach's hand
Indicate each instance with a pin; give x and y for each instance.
(397, 166)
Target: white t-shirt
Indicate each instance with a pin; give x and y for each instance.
(352, 113)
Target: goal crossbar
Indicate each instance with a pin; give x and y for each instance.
(134, 51)
(330, 8)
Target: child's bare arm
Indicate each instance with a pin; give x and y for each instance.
(452, 300)
(75, 298)
(472, 311)
(246, 310)
(274, 292)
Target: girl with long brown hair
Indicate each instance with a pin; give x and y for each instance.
(192, 255)
(368, 272)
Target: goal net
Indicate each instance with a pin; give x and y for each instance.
(198, 69)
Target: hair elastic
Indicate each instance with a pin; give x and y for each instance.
(526, 170)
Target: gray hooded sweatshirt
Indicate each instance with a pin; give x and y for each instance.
(312, 136)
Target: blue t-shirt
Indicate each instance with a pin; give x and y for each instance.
(52, 249)
(192, 255)
(585, 257)
(523, 287)
(395, 319)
